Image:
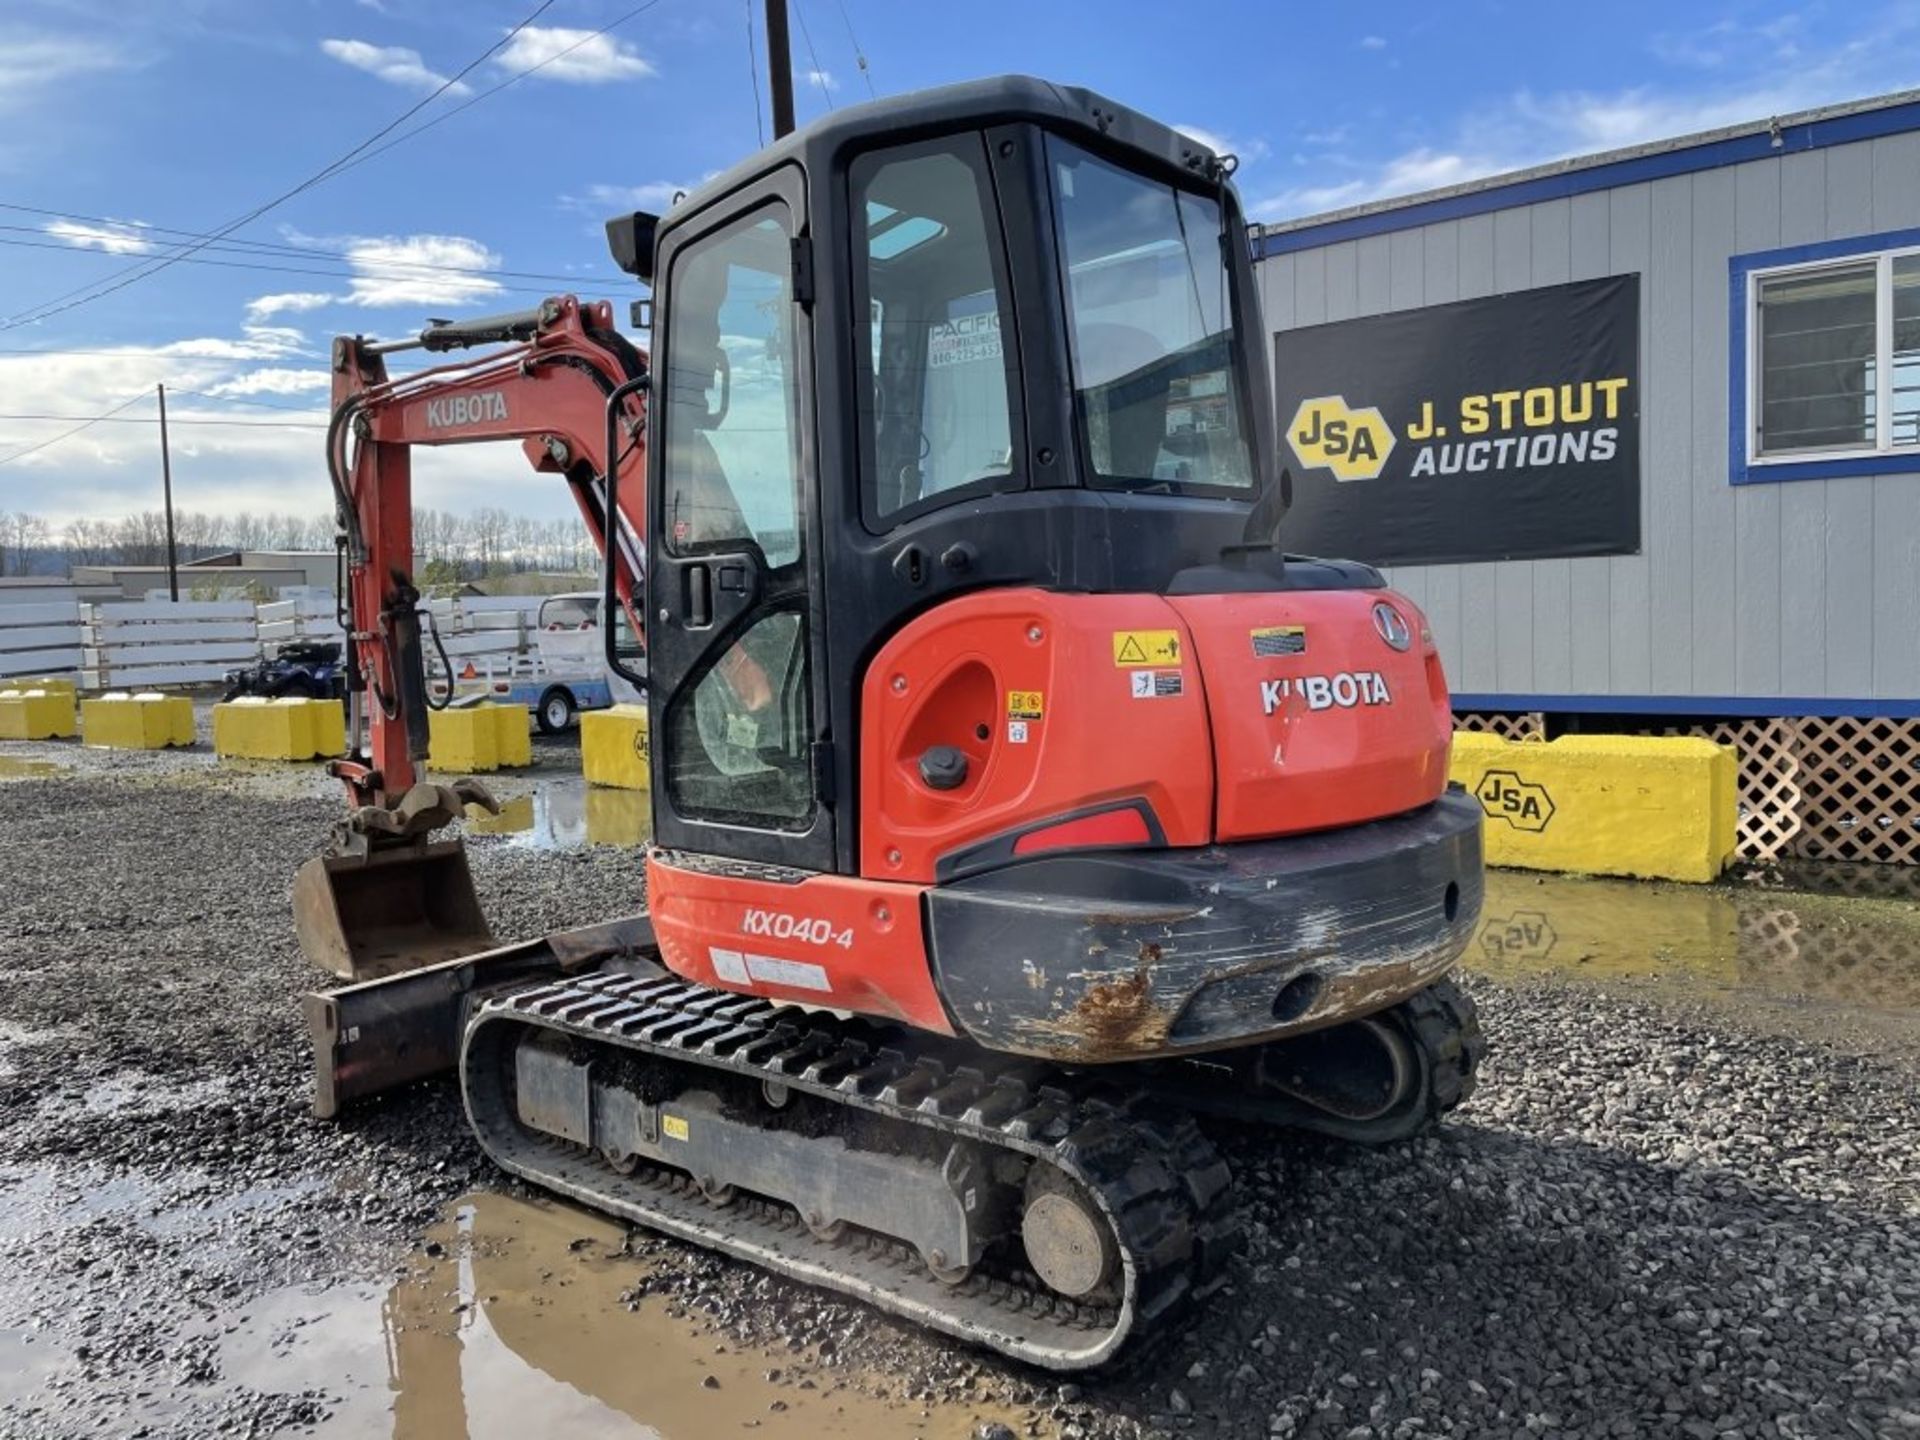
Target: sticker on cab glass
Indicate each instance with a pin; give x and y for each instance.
(1273, 640)
(1146, 647)
(1156, 684)
(1025, 704)
(673, 1127)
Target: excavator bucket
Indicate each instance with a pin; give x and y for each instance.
(394, 909)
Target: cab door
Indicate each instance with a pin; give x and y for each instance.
(736, 694)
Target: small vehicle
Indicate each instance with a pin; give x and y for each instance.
(566, 672)
(309, 669)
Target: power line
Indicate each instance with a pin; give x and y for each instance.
(753, 75)
(84, 424)
(821, 79)
(73, 299)
(510, 81)
(109, 419)
(859, 55)
(243, 400)
(376, 277)
(258, 247)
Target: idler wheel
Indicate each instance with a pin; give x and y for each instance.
(1068, 1241)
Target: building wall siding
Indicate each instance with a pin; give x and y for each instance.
(1806, 588)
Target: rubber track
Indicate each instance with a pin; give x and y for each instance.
(1166, 1192)
(1445, 1024)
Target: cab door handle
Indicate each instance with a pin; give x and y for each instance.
(699, 597)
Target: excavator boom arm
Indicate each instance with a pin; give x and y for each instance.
(548, 387)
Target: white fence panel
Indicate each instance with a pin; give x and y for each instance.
(169, 642)
(302, 608)
(117, 611)
(40, 639)
(152, 677)
(31, 663)
(171, 632)
(50, 612)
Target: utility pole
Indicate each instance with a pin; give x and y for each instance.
(166, 483)
(779, 68)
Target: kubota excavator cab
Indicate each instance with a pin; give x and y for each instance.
(965, 608)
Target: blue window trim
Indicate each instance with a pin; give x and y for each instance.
(1608, 175)
(1736, 706)
(1739, 267)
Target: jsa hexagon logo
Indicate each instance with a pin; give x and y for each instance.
(1354, 444)
(1521, 803)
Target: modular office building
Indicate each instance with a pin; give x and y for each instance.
(1641, 434)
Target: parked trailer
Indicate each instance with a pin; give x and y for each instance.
(565, 673)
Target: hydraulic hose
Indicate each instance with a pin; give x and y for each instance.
(610, 590)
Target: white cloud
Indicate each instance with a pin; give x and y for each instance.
(394, 64)
(35, 63)
(273, 380)
(260, 465)
(1248, 150)
(115, 238)
(822, 80)
(574, 57)
(1373, 42)
(421, 270)
(385, 270)
(655, 196)
(1527, 128)
(288, 302)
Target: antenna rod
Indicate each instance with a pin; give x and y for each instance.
(779, 68)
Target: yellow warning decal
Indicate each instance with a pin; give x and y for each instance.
(673, 1127)
(1026, 704)
(1146, 647)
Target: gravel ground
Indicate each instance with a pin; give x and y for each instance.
(1658, 1216)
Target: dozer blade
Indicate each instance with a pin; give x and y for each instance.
(390, 910)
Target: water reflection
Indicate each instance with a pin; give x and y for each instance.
(568, 814)
(515, 1322)
(1857, 952)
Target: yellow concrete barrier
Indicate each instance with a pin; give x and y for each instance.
(63, 683)
(137, 722)
(36, 714)
(254, 728)
(1638, 805)
(614, 749)
(473, 738)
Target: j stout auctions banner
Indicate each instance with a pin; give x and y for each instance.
(1498, 429)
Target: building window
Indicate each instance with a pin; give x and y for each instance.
(1835, 363)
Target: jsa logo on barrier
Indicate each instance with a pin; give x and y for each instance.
(1323, 692)
(781, 926)
(1521, 803)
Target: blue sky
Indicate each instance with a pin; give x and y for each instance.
(188, 115)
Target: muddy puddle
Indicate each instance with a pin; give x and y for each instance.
(519, 1318)
(14, 767)
(1858, 953)
(568, 814)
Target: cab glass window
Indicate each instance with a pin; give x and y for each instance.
(937, 384)
(732, 394)
(1150, 325)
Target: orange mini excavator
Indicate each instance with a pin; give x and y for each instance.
(1018, 804)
